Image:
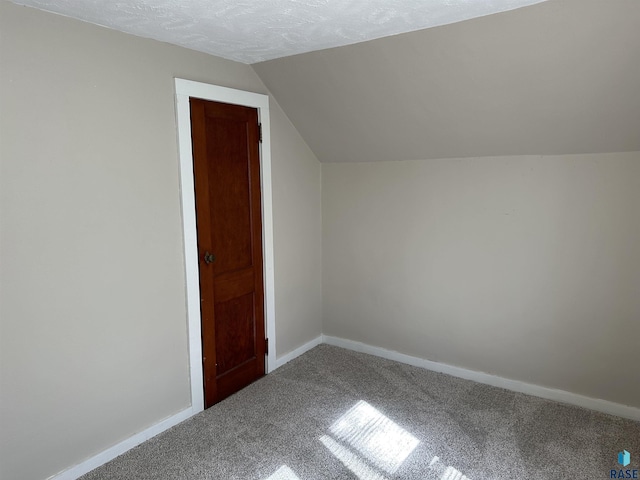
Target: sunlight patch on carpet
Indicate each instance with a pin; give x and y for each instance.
(447, 473)
(351, 460)
(380, 440)
(283, 473)
(452, 474)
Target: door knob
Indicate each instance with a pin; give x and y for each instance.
(209, 258)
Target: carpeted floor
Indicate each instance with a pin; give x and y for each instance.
(337, 414)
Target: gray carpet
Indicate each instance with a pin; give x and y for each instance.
(337, 414)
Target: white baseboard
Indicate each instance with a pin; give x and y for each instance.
(599, 405)
(103, 457)
(298, 351)
(133, 441)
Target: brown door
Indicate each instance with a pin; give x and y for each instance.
(228, 213)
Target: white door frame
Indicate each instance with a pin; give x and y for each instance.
(184, 90)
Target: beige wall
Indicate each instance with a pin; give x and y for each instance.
(297, 235)
(558, 77)
(523, 267)
(92, 305)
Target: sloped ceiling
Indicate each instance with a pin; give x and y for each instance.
(558, 77)
(254, 30)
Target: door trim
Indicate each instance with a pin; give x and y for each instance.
(184, 90)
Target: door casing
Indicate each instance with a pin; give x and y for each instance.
(184, 90)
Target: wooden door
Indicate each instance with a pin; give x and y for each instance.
(228, 214)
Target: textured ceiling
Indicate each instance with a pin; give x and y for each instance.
(560, 77)
(251, 31)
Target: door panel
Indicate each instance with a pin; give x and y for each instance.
(229, 224)
(229, 194)
(235, 339)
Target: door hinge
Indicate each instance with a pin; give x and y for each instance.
(260, 132)
(266, 346)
